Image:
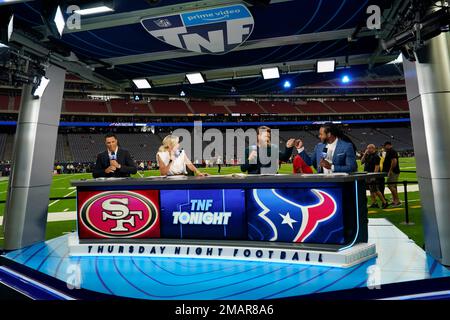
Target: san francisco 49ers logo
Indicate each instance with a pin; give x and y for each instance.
(122, 214)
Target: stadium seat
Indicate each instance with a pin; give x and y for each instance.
(207, 107)
(170, 107)
(85, 106)
(129, 107)
(278, 107)
(246, 107)
(4, 102)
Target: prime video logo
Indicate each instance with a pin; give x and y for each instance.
(214, 15)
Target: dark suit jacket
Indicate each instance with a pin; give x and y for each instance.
(123, 158)
(344, 157)
(256, 168)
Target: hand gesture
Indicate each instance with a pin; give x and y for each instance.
(114, 163)
(252, 155)
(325, 164)
(298, 143)
(110, 169)
(290, 143)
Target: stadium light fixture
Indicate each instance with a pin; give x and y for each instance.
(324, 66)
(142, 84)
(10, 27)
(287, 84)
(41, 87)
(53, 18)
(270, 73)
(59, 20)
(195, 78)
(96, 8)
(6, 30)
(345, 79)
(182, 93)
(137, 97)
(399, 60)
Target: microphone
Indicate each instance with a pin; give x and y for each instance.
(113, 156)
(324, 152)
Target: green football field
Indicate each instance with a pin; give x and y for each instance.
(61, 188)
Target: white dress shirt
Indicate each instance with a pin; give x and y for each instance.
(178, 167)
(330, 153)
(115, 153)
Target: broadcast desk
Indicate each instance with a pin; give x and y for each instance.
(317, 219)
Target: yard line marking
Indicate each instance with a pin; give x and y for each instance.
(56, 201)
(66, 209)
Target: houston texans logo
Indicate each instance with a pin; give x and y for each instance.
(291, 221)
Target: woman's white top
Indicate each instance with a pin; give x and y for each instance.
(178, 166)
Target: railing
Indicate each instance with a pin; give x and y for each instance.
(405, 186)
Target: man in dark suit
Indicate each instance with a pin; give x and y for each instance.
(115, 161)
(252, 163)
(333, 153)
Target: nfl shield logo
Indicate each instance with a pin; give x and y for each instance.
(214, 31)
(163, 23)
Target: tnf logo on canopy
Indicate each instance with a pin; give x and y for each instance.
(216, 31)
(119, 214)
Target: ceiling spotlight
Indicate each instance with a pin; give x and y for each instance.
(345, 79)
(182, 93)
(142, 84)
(287, 84)
(270, 73)
(326, 66)
(195, 78)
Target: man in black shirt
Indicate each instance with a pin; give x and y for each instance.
(392, 168)
(371, 162)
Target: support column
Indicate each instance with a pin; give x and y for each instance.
(428, 88)
(33, 159)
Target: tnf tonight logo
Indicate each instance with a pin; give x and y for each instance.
(123, 214)
(215, 31)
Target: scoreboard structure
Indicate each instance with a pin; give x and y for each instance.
(305, 219)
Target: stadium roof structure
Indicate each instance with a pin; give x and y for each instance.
(111, 49)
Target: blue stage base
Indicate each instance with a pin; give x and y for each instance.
(399, 260)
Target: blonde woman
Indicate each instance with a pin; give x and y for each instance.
(172, 161)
